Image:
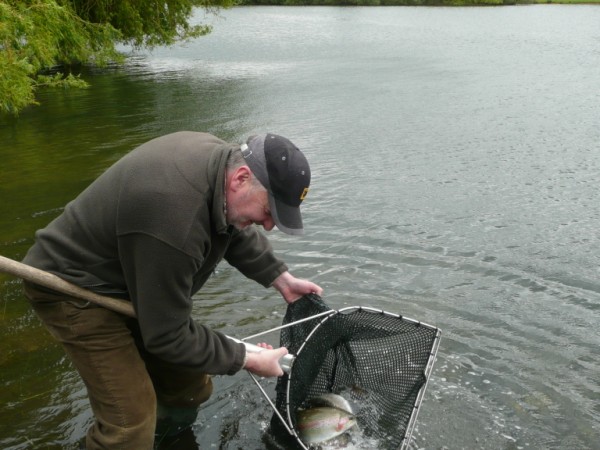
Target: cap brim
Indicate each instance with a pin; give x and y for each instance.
(287, 218)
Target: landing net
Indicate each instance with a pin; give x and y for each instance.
(378, 361)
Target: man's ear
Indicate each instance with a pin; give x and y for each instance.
(240, 177)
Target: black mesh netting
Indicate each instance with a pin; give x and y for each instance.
(377, 361)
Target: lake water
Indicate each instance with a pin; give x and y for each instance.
(455, 156)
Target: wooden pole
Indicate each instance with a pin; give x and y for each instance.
(51, 281)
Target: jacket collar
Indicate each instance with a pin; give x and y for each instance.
(218, 205)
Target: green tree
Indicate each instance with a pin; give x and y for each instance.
(39, 35)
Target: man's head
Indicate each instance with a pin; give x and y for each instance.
(284, 177)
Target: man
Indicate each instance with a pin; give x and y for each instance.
(151, 230)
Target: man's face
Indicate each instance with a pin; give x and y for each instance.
(249, 205)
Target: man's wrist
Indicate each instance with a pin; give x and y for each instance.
(280, 281)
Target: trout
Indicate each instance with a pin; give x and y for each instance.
(322, 423)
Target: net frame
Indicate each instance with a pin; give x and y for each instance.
(287, 419)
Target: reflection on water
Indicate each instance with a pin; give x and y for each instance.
(455, 157)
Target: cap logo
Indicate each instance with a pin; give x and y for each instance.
(304, 192)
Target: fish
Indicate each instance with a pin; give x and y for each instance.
(322, 423)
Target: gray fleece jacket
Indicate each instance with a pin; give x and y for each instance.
(152, 229)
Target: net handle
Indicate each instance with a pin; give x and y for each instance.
(285, 362)
(296, 322)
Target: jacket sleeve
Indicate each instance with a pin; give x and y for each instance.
(251, 253)
(159, 280)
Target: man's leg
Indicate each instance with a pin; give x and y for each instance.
(104, 353)
(180, 391)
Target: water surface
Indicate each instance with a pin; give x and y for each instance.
(455, 154)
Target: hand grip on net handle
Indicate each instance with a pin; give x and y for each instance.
(285, 362)
(51, 281)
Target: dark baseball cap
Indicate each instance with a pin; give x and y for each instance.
(284, 172)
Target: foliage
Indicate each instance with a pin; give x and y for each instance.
(147, 23)
(39, 35)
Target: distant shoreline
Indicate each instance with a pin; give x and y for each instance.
(414, 2)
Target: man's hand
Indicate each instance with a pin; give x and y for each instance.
(266, 363)
(292, 288)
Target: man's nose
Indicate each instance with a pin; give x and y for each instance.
(268, 224)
